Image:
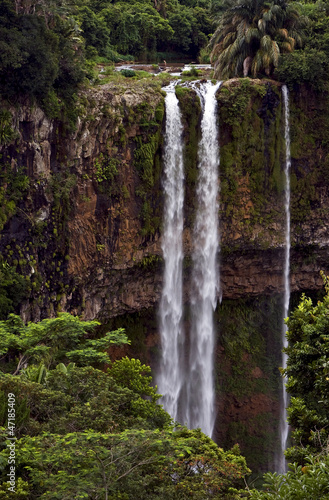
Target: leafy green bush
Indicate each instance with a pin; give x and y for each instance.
(54, 340)
(152, 464)
(308, 375)
(310, 66)
(128, 73)
(300, 483)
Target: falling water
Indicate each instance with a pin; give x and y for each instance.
(205, 274)
(171, 378)
(284, 429)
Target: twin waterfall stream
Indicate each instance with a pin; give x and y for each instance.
(186, 373)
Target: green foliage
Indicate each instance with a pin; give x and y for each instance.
(72, 398)
(14, 289)
(132, 374)
(135, 28)
(7, 134)
(251, 157)
(150, 262)
(144, 159)
(22, 410)
(60, 186)
(106, 169)
(236, 99)
(55, 340)
(128, 73)
(146, 162)
(22, 490)
(252, 34)
(39, 53)
(83, 432)
(309, 66)
(95, 32)
(44, 46)
(142, 464)
(14, 185)
(300, 483)
(308, 375)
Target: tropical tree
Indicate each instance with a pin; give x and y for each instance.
(54, 340)
(252, 34)
(308, 377)
(136, 463)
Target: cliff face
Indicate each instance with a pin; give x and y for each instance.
(81, 221)
(92, 208)
(87, 227)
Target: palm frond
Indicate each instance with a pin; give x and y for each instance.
(266, 43)
(252, 34)
(283, 32)
(258, 29)
(256, 64)
(262, 25)
(286, 47)
(275, 53)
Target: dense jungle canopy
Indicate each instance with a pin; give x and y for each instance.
(48, 48)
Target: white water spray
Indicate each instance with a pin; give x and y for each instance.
(284, 428)
(171, 374)
(205, 274)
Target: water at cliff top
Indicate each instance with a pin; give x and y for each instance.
(284, 428)
(205, 272)
(171, 376)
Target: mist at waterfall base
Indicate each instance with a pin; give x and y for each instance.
(188, 388)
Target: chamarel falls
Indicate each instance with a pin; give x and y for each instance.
(186, 374)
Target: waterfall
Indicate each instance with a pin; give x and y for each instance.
(171, 376)
(284, 428)
(205, 272)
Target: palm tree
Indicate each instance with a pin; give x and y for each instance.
(252, 34)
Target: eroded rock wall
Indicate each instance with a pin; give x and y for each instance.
(87, 230)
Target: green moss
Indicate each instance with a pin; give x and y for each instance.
(125, 192)
(150, 262)
(159, 112)
(251, 173)
(190, 108)
(144, 158)
(148, 167)
(106, 174)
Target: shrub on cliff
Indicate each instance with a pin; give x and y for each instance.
(309, 66)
